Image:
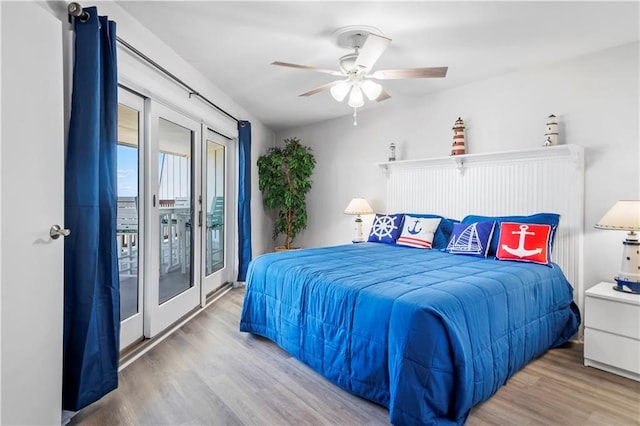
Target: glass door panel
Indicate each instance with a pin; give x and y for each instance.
(128, 221)
(218, 203)
(175, 200)
(215, 205)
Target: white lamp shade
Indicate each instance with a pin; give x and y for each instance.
(371, 89)
(339, 91)
(358, 206)
(623, 216)
(355, 99)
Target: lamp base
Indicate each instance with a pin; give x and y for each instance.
(359, 238)
(625, 286)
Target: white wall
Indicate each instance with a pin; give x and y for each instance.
(595, 97)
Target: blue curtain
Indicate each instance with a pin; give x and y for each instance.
(91, 287)
(244, 199)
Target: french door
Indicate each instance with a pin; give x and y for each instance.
(175, 201)
(217, 183)
(173, 217)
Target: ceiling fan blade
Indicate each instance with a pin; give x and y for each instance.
(371, 51)
(320, 88)
(383, 96)
(429, 72)
(306, 68)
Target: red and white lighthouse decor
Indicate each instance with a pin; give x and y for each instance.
(458, 147)
(551, 137)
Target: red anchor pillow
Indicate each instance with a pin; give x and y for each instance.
(418, 232)
(525, 242)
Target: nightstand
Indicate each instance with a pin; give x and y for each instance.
(612, 330)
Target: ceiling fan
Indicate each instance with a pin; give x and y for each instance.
(355, 68)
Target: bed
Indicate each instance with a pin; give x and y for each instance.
(426, 333)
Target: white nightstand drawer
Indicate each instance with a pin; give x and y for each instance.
(610, 349)
(615, 317)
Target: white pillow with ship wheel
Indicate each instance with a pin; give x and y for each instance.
(418, 231)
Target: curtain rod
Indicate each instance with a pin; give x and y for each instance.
(74, 9)
(192, 91)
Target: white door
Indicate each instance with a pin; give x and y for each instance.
(32, 181)
(218, 206)
(171, 194)
(130, 220)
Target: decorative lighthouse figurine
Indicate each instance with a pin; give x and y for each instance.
(458, 147)
(551, 137)
(392, 152)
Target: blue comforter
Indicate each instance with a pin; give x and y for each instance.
(424, 333)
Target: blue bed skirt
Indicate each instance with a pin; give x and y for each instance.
(424, 333)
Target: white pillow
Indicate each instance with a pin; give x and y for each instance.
(418, 231)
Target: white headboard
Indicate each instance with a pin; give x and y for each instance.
(546, 179)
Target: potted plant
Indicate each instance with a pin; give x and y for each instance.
(285, 179)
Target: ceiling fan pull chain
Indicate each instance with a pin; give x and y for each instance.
(355, 116)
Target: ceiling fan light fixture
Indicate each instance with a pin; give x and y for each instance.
(356, 99)
(371, 89)
(367, 45)
(340, 90)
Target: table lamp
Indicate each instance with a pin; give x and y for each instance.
(358, 206)
(625, 216)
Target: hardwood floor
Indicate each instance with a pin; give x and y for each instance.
(208, 373)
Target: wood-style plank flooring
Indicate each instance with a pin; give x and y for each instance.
(208, 373)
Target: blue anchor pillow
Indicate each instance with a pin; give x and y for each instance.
(472, 239)
(385, 228)
(418, 232)
(525, 242)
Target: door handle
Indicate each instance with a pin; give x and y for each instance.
(56, 231)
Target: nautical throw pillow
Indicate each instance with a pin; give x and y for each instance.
(441, 238)
(541, 218)
(385, 228)
(471, 238)
(525, 242)
(418, 232)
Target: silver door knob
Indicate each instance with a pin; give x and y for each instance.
(56, 231)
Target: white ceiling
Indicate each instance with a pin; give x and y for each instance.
(234, 43)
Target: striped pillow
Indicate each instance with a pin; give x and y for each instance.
(418, 231)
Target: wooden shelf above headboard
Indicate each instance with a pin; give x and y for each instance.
(459, 162)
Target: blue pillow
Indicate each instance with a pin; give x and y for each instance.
(471, 238)
(443, 232)
(386, 228)
(540, 218)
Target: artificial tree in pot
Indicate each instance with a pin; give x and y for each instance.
(285, 179)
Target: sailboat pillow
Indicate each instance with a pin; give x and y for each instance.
(418, 232)
(472, 239)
